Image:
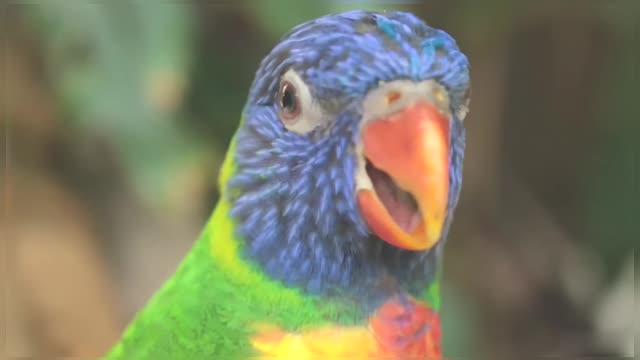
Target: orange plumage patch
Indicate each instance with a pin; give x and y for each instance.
(402, 328)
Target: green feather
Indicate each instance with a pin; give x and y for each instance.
(207, 308)
(432, 295)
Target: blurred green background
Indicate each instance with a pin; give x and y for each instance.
(116, 116)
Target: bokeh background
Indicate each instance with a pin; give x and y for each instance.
(116, 116)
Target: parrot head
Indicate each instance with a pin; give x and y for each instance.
(348, 162)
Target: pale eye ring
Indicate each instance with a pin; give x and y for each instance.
(288, 101)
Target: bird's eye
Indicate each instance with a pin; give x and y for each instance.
(288, 101)
(297, 110)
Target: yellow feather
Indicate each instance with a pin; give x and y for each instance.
(327, 343)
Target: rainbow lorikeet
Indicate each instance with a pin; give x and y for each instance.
(337, 194)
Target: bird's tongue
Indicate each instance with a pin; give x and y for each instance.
(400, 204)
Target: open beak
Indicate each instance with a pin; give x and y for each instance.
(407, 161)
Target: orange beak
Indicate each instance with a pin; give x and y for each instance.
(407, 157)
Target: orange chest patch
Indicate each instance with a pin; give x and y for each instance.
(399, 329)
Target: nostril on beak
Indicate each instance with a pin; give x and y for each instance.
(392, 96)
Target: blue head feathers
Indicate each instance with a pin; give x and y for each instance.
(293, 194)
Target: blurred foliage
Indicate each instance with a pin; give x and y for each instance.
(458, 322)
(120, 69)
(612, 183)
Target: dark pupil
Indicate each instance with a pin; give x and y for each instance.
(288, 101)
